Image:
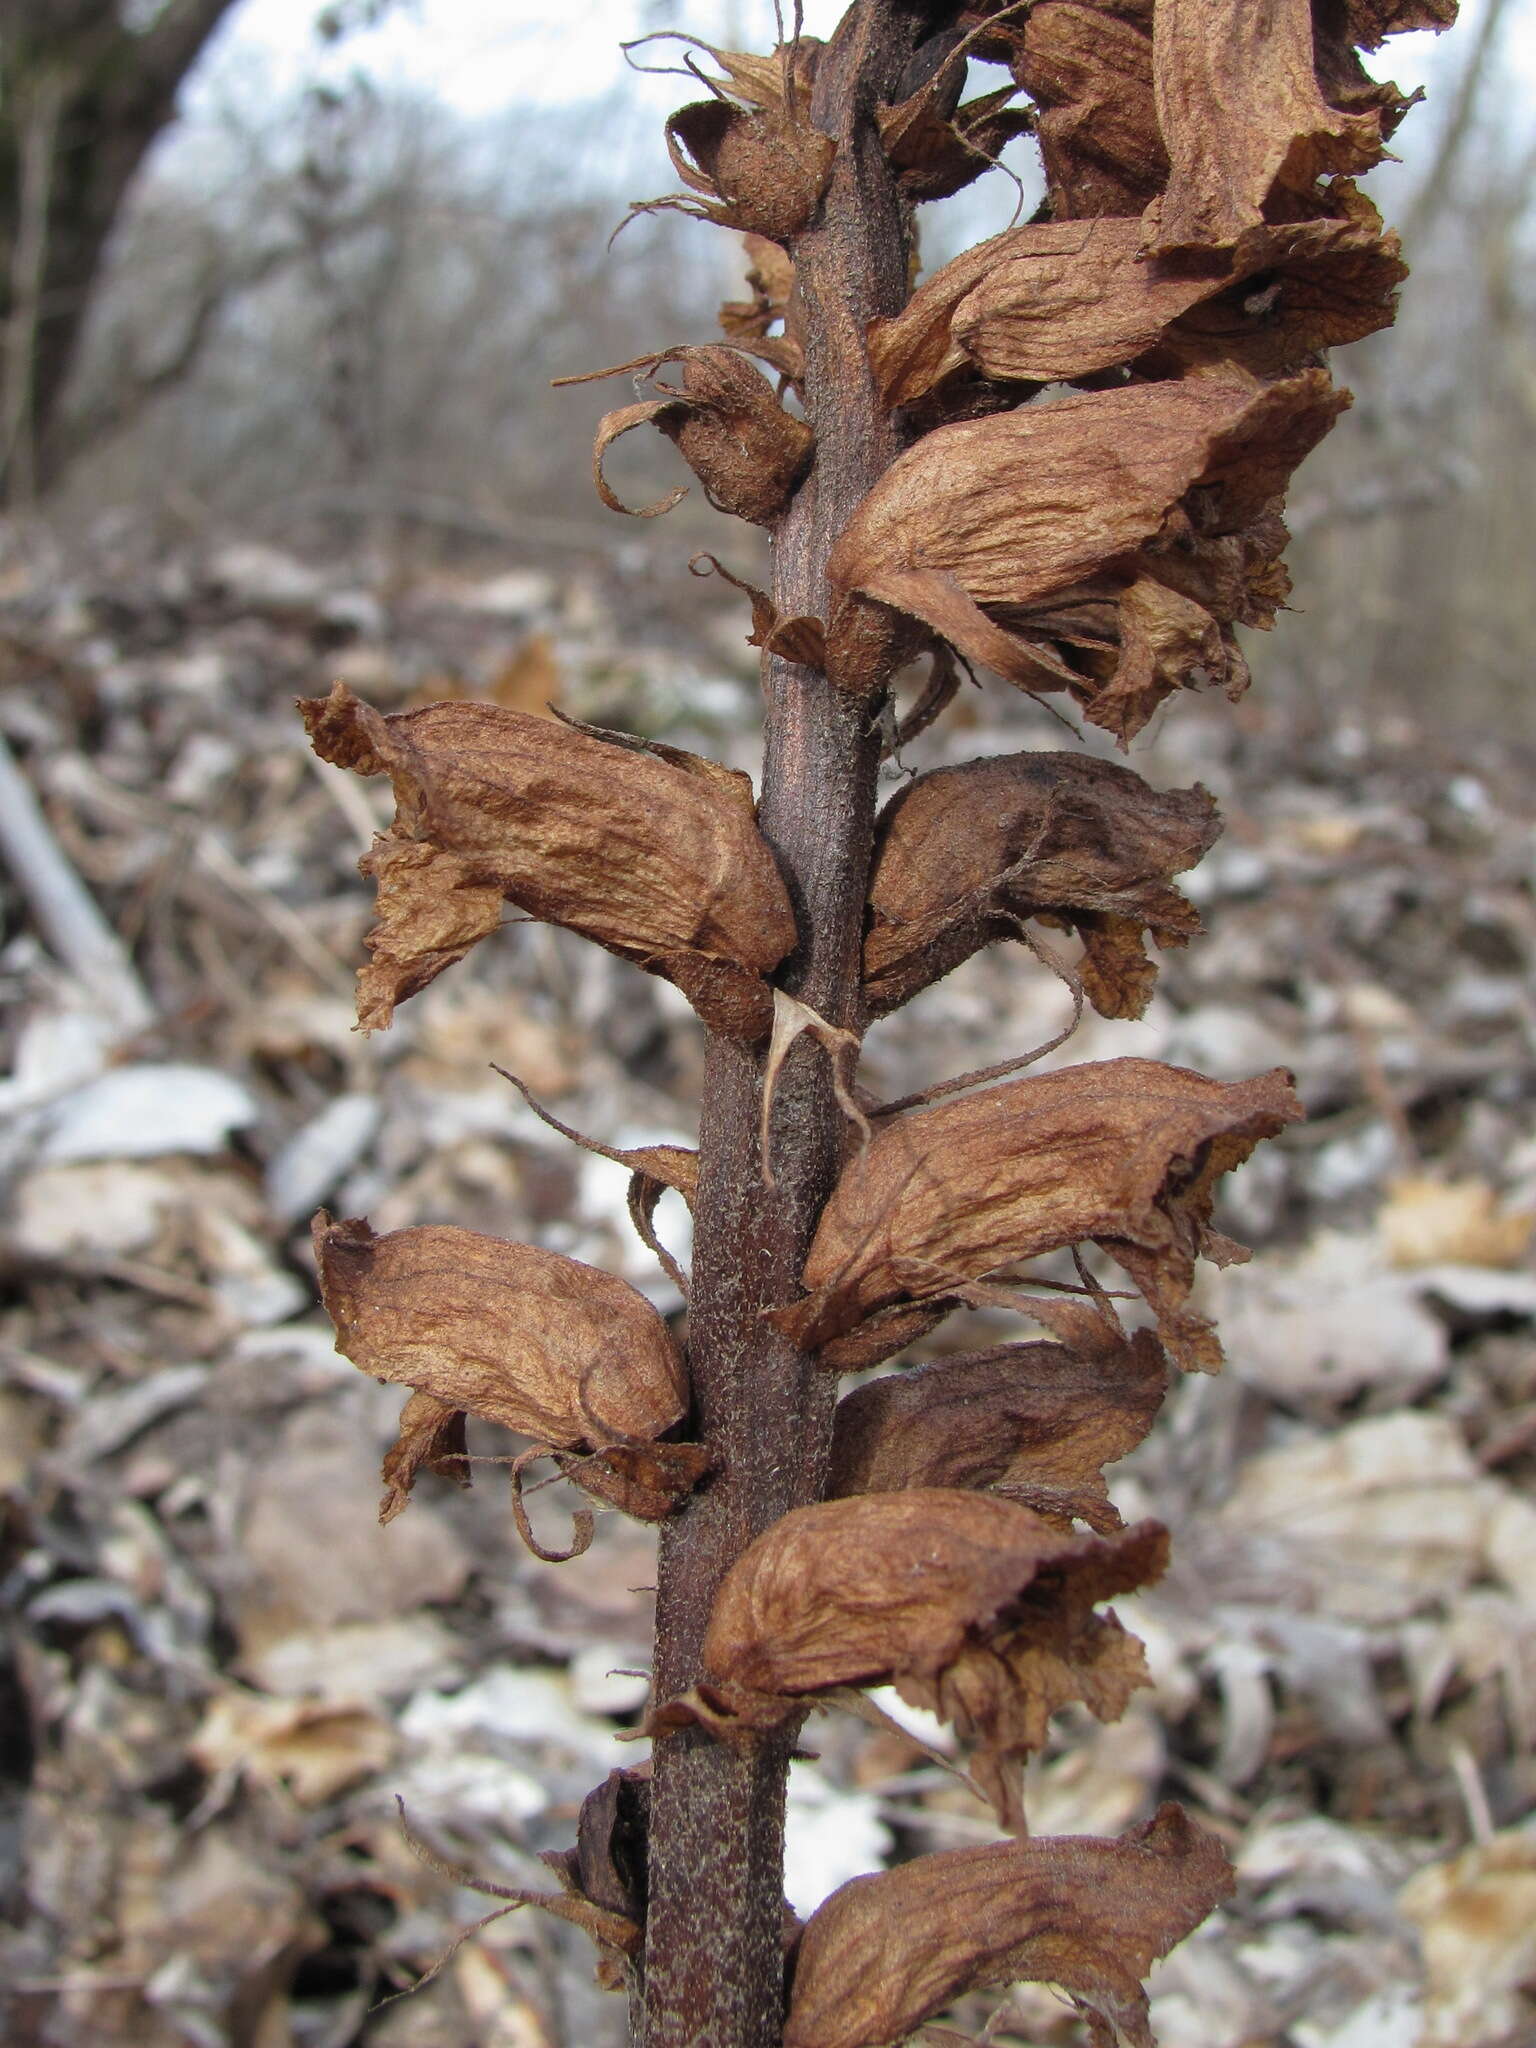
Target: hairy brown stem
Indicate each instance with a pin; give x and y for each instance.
(713, 1968)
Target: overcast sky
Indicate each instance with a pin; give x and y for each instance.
(485, 55)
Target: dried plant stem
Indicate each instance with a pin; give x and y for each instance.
(712, 1964)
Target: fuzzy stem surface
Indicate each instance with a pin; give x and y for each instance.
(713, 1962)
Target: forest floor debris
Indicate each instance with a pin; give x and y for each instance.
(220, 1672)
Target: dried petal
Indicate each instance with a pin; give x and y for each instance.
(652, 852)
(885, 1953)
(541, 1344)
(1089, 68)
(1125, 1154)
(1015, 511)
(1241, 112)
(741, 444)
(431, 1439)
(972, 1606)
(963, 853)
(1033, 1422)
(1059, 300)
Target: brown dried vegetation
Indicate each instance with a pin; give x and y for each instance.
(1202, 244)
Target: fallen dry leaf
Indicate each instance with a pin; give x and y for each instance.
(1123, 1153)
(317, 1748)
(1427, 1221)
(885, 1953)
(652, 852)
(1476, 1922)
(963, 854)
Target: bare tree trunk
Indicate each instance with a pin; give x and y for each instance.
(81, 100)
(713, 1952)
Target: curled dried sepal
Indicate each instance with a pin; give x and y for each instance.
(727, 425)
(963, 853)
(1100, 500)
(555, 1350)
(1060, 300)
(607, 1867)
(616, 1934)
(885, 1953)
(1245, 120)
(972, 1606)
(1034, 1422)
(652, 852)
(1125, 1154)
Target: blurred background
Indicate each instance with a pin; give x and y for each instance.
(283, 285)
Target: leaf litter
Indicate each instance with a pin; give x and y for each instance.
(216, 1654)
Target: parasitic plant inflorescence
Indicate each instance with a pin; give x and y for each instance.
(1064, 458)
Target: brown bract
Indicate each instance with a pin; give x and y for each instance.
(1118, 499)
(727, 425)
(1125, 1154)
(1241, 112)
(1089, 69)
(886, 1953)
(555, 1350)
(1060, 300)
(973, 1606)
(1034, 1422)
(652, 852)
(963, 854)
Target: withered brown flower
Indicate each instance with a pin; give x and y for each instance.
(992, 531)
(1035, 1423)
(972, 1606)
(1125, 1154)
(885, 1953)
(1060, 300)
(962, 854)
(745, 322)
(555, 1350)
(1242, 114)
(725, 422)
(652, 852)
